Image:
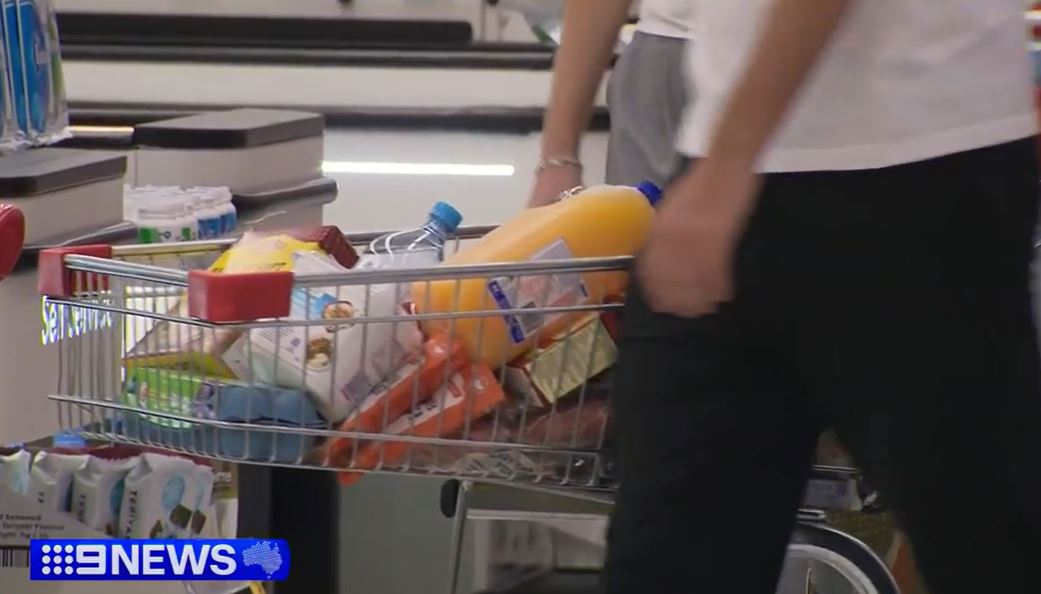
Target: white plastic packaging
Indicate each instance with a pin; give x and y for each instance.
(208, 212)
(203, 509)
(50, 480)
(14, 469)
(338, 364)
(157, 497)
(97, 492)
(162, 219)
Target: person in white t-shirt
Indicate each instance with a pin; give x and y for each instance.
(851, 249)
(646, 94)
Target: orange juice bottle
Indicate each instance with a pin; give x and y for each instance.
(599, 222)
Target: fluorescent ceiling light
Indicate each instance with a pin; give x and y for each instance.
(390, 168)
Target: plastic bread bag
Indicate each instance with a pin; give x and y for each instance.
(14, 469)
(202, 508)
(50, 480)
(157, 496)
(97, 488)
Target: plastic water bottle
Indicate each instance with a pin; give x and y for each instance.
(414, 248)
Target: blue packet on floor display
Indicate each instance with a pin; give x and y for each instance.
(36, 66)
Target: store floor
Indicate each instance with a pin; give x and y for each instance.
(388, 179)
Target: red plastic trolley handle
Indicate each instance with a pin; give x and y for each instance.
(12, 238)
(218, 298)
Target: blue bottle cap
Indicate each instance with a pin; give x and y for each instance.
(447, 215)
(651, 191)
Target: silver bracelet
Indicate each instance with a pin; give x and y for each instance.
(557, 161)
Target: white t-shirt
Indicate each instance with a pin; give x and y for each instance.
(902, 81)
(666, 18)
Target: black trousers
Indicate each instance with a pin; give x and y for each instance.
(892, 305)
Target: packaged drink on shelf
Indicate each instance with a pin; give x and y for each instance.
(601, 221)
(163, 219)
(58, 115)
(208, 211)
(10, 135)
(414, 248)
(16, 68)
(34, 37)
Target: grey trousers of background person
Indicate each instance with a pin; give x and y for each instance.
(646, 95)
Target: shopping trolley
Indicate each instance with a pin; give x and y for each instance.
(124, 309)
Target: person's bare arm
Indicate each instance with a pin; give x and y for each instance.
(705, 211)
(590, 32)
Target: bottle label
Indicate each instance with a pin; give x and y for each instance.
(535, 293)
(163, 234)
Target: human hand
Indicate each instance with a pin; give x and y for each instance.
(551, 182)
(686, 267)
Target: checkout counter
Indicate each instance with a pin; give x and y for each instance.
(70, 180)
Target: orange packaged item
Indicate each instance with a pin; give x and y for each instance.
(468, 395)
(599, 222)
(394, 397)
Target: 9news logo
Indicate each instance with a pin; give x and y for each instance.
(158, 560)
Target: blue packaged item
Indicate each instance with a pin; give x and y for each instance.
(15, 66)
(36, 66)
(230, 402)
(9, 134)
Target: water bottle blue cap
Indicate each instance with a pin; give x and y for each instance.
(447, 215)
(651, 191)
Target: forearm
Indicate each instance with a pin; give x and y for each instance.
(794, 35)
(590, 32)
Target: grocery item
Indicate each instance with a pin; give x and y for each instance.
(16, 67)
(601, 221)
(9, 133)
(467, 396)
(14, 469)
(543, 376)
(219, 207)
(409, 386)
(34, 38)
(328, 238)
(157, 498)
(185, 346)
(58, 117)
(201, 510)
(162, 219)
(221, 400)
(414, 248)
(261, 252)
(339, 363)
(97, 488)
(50, 480)
(208, 212)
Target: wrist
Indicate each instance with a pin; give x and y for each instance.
(558, 161)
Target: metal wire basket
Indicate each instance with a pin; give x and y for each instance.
(156, 351)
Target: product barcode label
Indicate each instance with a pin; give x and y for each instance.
(536, 292)
(14, 556)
